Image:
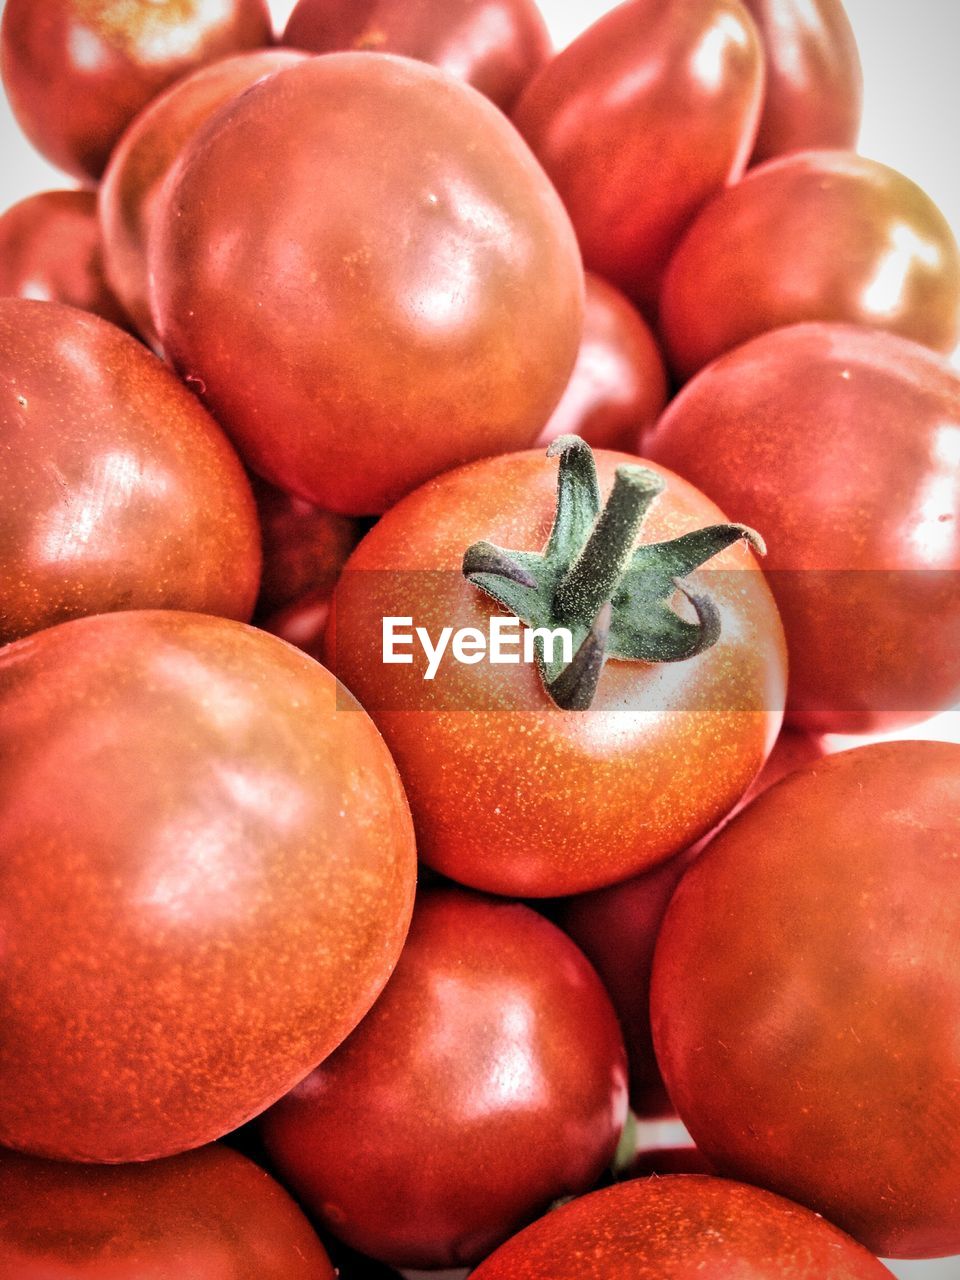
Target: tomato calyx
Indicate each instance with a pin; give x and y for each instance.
(615, 599)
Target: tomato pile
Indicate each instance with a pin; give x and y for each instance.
(440, 530)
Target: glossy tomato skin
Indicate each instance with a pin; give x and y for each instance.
(814, 83)
(681, 1228)
(840, 444)
(144, 155)
(118, 490)
(504, 1056)
(495, 45)
(50, 250)
(815, 1051)
(207, 872)
(77, 71)
(640, 121)
(509, 793)
(619, 381)
(816, 235)
(363, 353)
(206, 1213)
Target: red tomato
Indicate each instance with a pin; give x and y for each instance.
(618, 383)
(494, 1046)
(304, 548)
(806, 995)
(363, 352)
(867, 247)
(814, 89)
(145, 154)
(117, 490)
(510, 793)
(495, 45)
(843, 446)
(681, 1228)
(208, 1213)
(206, 874)
(50, 250)
(77, 71)
(640, 121)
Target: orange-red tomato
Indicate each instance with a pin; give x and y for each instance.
(304, 548)
(206, 875)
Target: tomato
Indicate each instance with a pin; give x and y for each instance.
(145, 154)
(304, 548)
(617, 927)
(842, 446)
(681, 1228)
(618, 383)
(511, 793)
(814, 91)
(493, 1049)
(77, 71)
(206, 874)
(495, 45)
(50, 250)
(204, 1214)
(362, 353)
(640, 121)
(867, 247)
(117, 490)
(806, 995)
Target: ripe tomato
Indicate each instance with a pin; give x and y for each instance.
(77, 71)
(206, 874)
(117, 490)
(495, 45)
(130, 191)
(842, 445)
(362, 352)
(814, 90)
(498, 1035)
(618, 383)
(50, 250)
(209, 1213)
(510, 793)
(304, 548)
(681, 1228)
(640, 121)
(867, 247)
(806, 995)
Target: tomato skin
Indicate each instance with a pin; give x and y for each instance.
(206, 874)
(640, 121)
(130, 192)
(504, 1053)
(681, 1228)
(839, 444)
(458, 346)
(866, 246)
(118, 490)
(619, 382)
(495, 45)
(814, 90)
(77, 71)
(815, 1052)
(206, 1213)
(304, 548)
(509, 793)
(50, 249)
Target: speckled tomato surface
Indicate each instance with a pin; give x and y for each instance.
(77, 71)
(681, 1228)
(117, 488)
(495, 45)
(806, 995)
(206, 875)
(145, 154)
(488, 1081)
(50, 250)
(392, 290)
(206, 1215)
